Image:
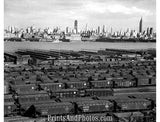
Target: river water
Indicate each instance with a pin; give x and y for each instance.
(76, 46)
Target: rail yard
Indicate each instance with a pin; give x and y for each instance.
(120, 84)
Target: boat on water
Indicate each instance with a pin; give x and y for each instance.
(64, 40)
(73, 37)
(106, 39)
(61, 38)
(56, 41)
(55, 38)
(88, 37)
(102, 38)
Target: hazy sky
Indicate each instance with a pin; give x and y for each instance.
(119, 14)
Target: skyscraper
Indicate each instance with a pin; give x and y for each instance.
(151, 31)
(148, 31)
(67, 29)
(140, 26)
(103, 30)
(98, 29)
(76, 26)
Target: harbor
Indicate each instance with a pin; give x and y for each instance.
(75, 45)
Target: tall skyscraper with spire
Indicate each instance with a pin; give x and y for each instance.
(76, 26)
(140, 26)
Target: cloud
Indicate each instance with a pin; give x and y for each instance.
(61, 12)
(114, 8)
(127, 10)
(95, 7)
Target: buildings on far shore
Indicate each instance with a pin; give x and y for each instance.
(50, 33)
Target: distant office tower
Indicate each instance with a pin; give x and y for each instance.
(151, 31)
(12, 29)
(148, 31)
(9, 29)
(140, 26)
(98, 29)
(131, 33)
(67, 30)
(31, 29)
(76, 26)
(103, 30)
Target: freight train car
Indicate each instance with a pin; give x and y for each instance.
(52, 86)
(135, 89)
(66, 93)
(133, 104)
(33, 97)
(142, 95)
(99, 92)
(8, 98)
(27, 105)
(77, 85)
(95, 106)
(24, 88)
(102, 84)
(121, 82)
(145, 80)
(55, 108)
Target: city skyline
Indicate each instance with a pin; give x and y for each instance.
(115, 14)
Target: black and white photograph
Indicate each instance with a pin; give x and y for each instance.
(79, 61)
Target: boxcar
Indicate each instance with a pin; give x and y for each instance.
(141, 95)
(66, 93)
(118, 83)
(33, 97)
(8, 98)
(24, 88)
(133, 104)
(27, 105)
(95, 106)
(55, 108)
(143, 81)
(102, 84)
(135, 89)
(152, 80)
(99, 92)
(77, 85)
(52, 86)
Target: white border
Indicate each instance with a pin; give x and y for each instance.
(158, 58)
(1, 61)
(2, 51)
